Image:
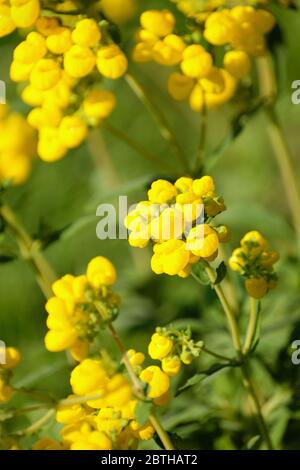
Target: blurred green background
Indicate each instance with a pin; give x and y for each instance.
(58, 206)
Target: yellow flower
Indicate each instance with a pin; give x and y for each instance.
(12, 357)
(169, 224)
(169, 50)
(7, 25)
(72, 131)
(50, 148)
(99, 104)
(237, 63)
(161, 192)
(135, 358)
(45, 74)
(184, 184)
(111, 61)
(161, 23)
(171, 365)
(31, 50)
(5, 391)
(180, 86)
(94, 440)
(257, 288)
(158, 381)
(59, 41)
(101, 271)
(237, 260)
(19, 71)
(143, 432)
(68, 414)
(254, 243)
(89, 378)
(46, 116)
(14, 167)
(47, 25)
(204, 186)
(170, 257)
(160, 346)
(196, 63)
(203, 241)
(25, 12)
(219, 28)
(17, 146)
(255, 263)
(79, 61)
(86, 33)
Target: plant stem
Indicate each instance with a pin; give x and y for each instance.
(251, 325)
(268, 91)
(138, 148)
(30, 251)
(138, 388)
(227, 309)
(216, 355)
(165, 130)
(164, 437)
(33, 428)
(285, 163)
(244, 364)
(256, 404)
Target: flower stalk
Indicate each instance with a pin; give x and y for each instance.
(30, 251)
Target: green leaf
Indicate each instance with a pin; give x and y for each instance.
(253, 443)
(143, 411)
(6, 414)
(198, 378)
(221, 273)
(199, 273)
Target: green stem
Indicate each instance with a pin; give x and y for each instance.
(138, 148)
(216, 355)
(227, 309)
(138, 389)
(256, 405)
(33, 428)
(165, 130)
(285, 163)
(164, 437)
(244, 364)
(268, 91)
(30, 251)
(252, 325)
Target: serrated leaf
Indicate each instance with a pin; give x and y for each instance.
(198, 378)
(221, 273)
(143, 411)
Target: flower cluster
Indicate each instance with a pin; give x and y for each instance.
(81, 306)
(241, 29)
(106, 422)
(17, 14)
(173, 348)
(255, 263)
(177, 218)
(17, 147)
(61, 66)
(11, 358)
